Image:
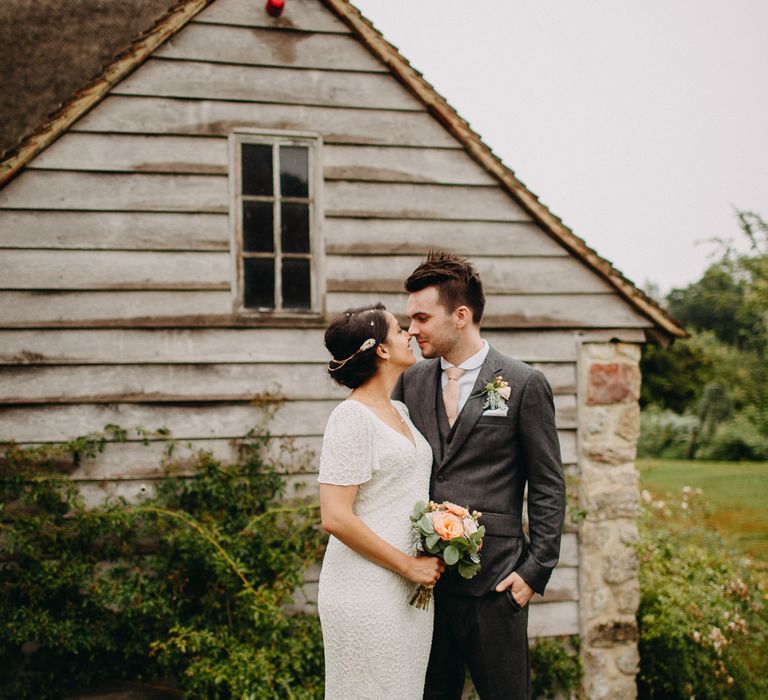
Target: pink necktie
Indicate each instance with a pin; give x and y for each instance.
(451, 393)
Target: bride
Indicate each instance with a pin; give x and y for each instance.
(374, 466)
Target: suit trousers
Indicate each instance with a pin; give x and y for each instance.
(488, 634)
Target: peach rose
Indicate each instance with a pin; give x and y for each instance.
(456, 510)
(447, 525)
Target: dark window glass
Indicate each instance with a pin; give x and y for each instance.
(296, 294)
(257, 169)
(295, 228)
(294, 171)
(258, 233)
(259, 276)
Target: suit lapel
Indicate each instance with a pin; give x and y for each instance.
(427, 390)
(473, 408)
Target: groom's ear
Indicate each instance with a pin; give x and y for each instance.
(463, 316)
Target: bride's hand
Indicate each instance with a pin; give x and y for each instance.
(424, 570)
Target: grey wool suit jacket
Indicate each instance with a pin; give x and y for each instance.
(485, 462)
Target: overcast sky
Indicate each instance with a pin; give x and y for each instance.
(640, 124)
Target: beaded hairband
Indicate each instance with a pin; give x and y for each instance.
(367, 345)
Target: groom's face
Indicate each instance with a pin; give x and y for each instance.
(433, 327)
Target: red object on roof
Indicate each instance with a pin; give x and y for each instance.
(275, 7)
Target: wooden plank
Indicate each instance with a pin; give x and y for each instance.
(519, 311)
(185, 346)
(78, 269)
(19, 309)
(563, 585)
(145, 154)
(208, 155)
(176, 382)
(217, 81)
(569, 549)
(561, 377)
(148, 115)
(186, 421)
(305, 15)
(412, 201)
(41, 189)
(553, 619)
(500, 275)
(569, 451)
(393, 164)
(137, 460)
(266, 47)
(557, 349)
(114, 230)
(472, 238)
(166, 383)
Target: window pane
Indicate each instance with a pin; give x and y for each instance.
(295, 228)
(258, 234)
(296, 290)
(294, 171)
(257, 169)
(259, 279)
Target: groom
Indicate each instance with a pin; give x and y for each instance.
(486, 446)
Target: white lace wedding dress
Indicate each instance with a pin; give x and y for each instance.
(376, 644)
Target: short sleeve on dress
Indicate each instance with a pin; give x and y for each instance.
(401, 408)
(348, 455)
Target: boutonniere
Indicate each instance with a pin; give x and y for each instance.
(496, 394)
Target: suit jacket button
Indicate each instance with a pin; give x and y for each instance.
(441, 478)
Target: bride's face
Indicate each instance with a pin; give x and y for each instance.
(398, 344)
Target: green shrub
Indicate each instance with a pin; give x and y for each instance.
(555, 667)
(703, 624)
(736, 440)
(665, 434)
(189, 587)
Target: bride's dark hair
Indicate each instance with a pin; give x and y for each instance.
(355, 361)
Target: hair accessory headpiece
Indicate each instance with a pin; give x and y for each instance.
(367, 345)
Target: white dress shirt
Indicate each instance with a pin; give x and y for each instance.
(471, 367)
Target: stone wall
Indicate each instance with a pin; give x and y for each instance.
(609, 425)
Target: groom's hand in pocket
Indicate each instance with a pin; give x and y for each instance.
(521, 591)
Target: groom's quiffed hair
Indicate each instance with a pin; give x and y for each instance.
(456, 280)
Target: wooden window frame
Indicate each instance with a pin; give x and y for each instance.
(273, 138)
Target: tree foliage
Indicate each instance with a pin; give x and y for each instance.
(720, 373)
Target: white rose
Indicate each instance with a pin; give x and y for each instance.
(505, 392)
(470, 526)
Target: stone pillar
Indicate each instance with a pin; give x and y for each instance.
(609, 425)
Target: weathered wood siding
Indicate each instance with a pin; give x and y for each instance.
(115, 302)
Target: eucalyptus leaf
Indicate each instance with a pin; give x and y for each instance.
(451, 555)
(432, 540)
(468, 570)
(426, 524)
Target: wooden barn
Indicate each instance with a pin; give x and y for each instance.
(183, 209)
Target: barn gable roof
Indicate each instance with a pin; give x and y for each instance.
(91, 93)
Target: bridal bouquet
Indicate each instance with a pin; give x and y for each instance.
(450, 532)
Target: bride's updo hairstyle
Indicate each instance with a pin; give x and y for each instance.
(352, 339)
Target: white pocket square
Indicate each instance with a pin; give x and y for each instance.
(496, 412)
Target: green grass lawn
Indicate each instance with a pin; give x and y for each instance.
(736, 491)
